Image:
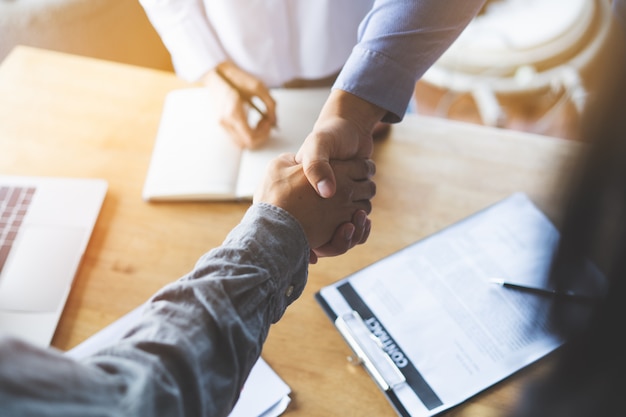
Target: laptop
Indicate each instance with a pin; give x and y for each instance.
(45, 225)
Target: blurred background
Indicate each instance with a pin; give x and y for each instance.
(521, 64)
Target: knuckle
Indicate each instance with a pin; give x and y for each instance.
(371, 167)
(256, 85)
(367, 206)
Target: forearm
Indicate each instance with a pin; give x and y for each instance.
(195, 344)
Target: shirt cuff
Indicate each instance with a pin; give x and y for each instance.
(379, 80)
(276, 240)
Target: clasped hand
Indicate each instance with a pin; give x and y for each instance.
(339, 144)
(332, 225)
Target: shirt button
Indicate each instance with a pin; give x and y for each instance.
(289, 291)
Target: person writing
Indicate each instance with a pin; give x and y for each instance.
(260, 45)
(199, 337)
(378, 47)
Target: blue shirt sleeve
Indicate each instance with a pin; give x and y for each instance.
(398, 41)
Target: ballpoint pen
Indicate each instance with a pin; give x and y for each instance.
(547, 292)
(246, 97)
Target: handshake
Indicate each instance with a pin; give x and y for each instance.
(332, 225)
(327, 185)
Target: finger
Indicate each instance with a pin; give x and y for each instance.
(366, 232)
(277, 166)
(363, 190)
(236, 123)
(286, 159)
(260, 95)
(269, 103)
(261, 133)
(363, 226)
(340, 243)
(364, 205)
(369, 167)
(354, 180)
(319, 173)
(233, 120)
(234, 133)
(346, 236)
(356, 169)
(317, 169)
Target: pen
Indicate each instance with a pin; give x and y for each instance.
(544, 291)
(243, 95)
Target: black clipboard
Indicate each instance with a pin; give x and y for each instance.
(361, 307)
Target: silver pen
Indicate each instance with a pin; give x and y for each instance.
(544, 291)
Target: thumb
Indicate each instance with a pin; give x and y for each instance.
(320, 175)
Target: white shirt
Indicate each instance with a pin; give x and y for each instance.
(275, 40)
(381, 46)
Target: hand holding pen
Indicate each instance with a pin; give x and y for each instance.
(239, 93)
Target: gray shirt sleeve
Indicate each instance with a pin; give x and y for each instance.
(193, 348)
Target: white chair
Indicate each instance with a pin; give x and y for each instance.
(525, 48)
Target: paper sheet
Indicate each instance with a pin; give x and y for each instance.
(192, 154)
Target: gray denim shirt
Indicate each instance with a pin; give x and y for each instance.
(192, 350)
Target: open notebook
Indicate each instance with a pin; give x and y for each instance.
(195, 159)
(45, 225)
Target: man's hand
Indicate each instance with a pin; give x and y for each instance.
(343, 131)
(327, 222)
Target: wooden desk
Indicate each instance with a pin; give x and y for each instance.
(70, 116)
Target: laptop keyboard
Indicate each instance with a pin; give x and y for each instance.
(14, 202)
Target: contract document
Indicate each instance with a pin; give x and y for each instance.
(429, 324)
